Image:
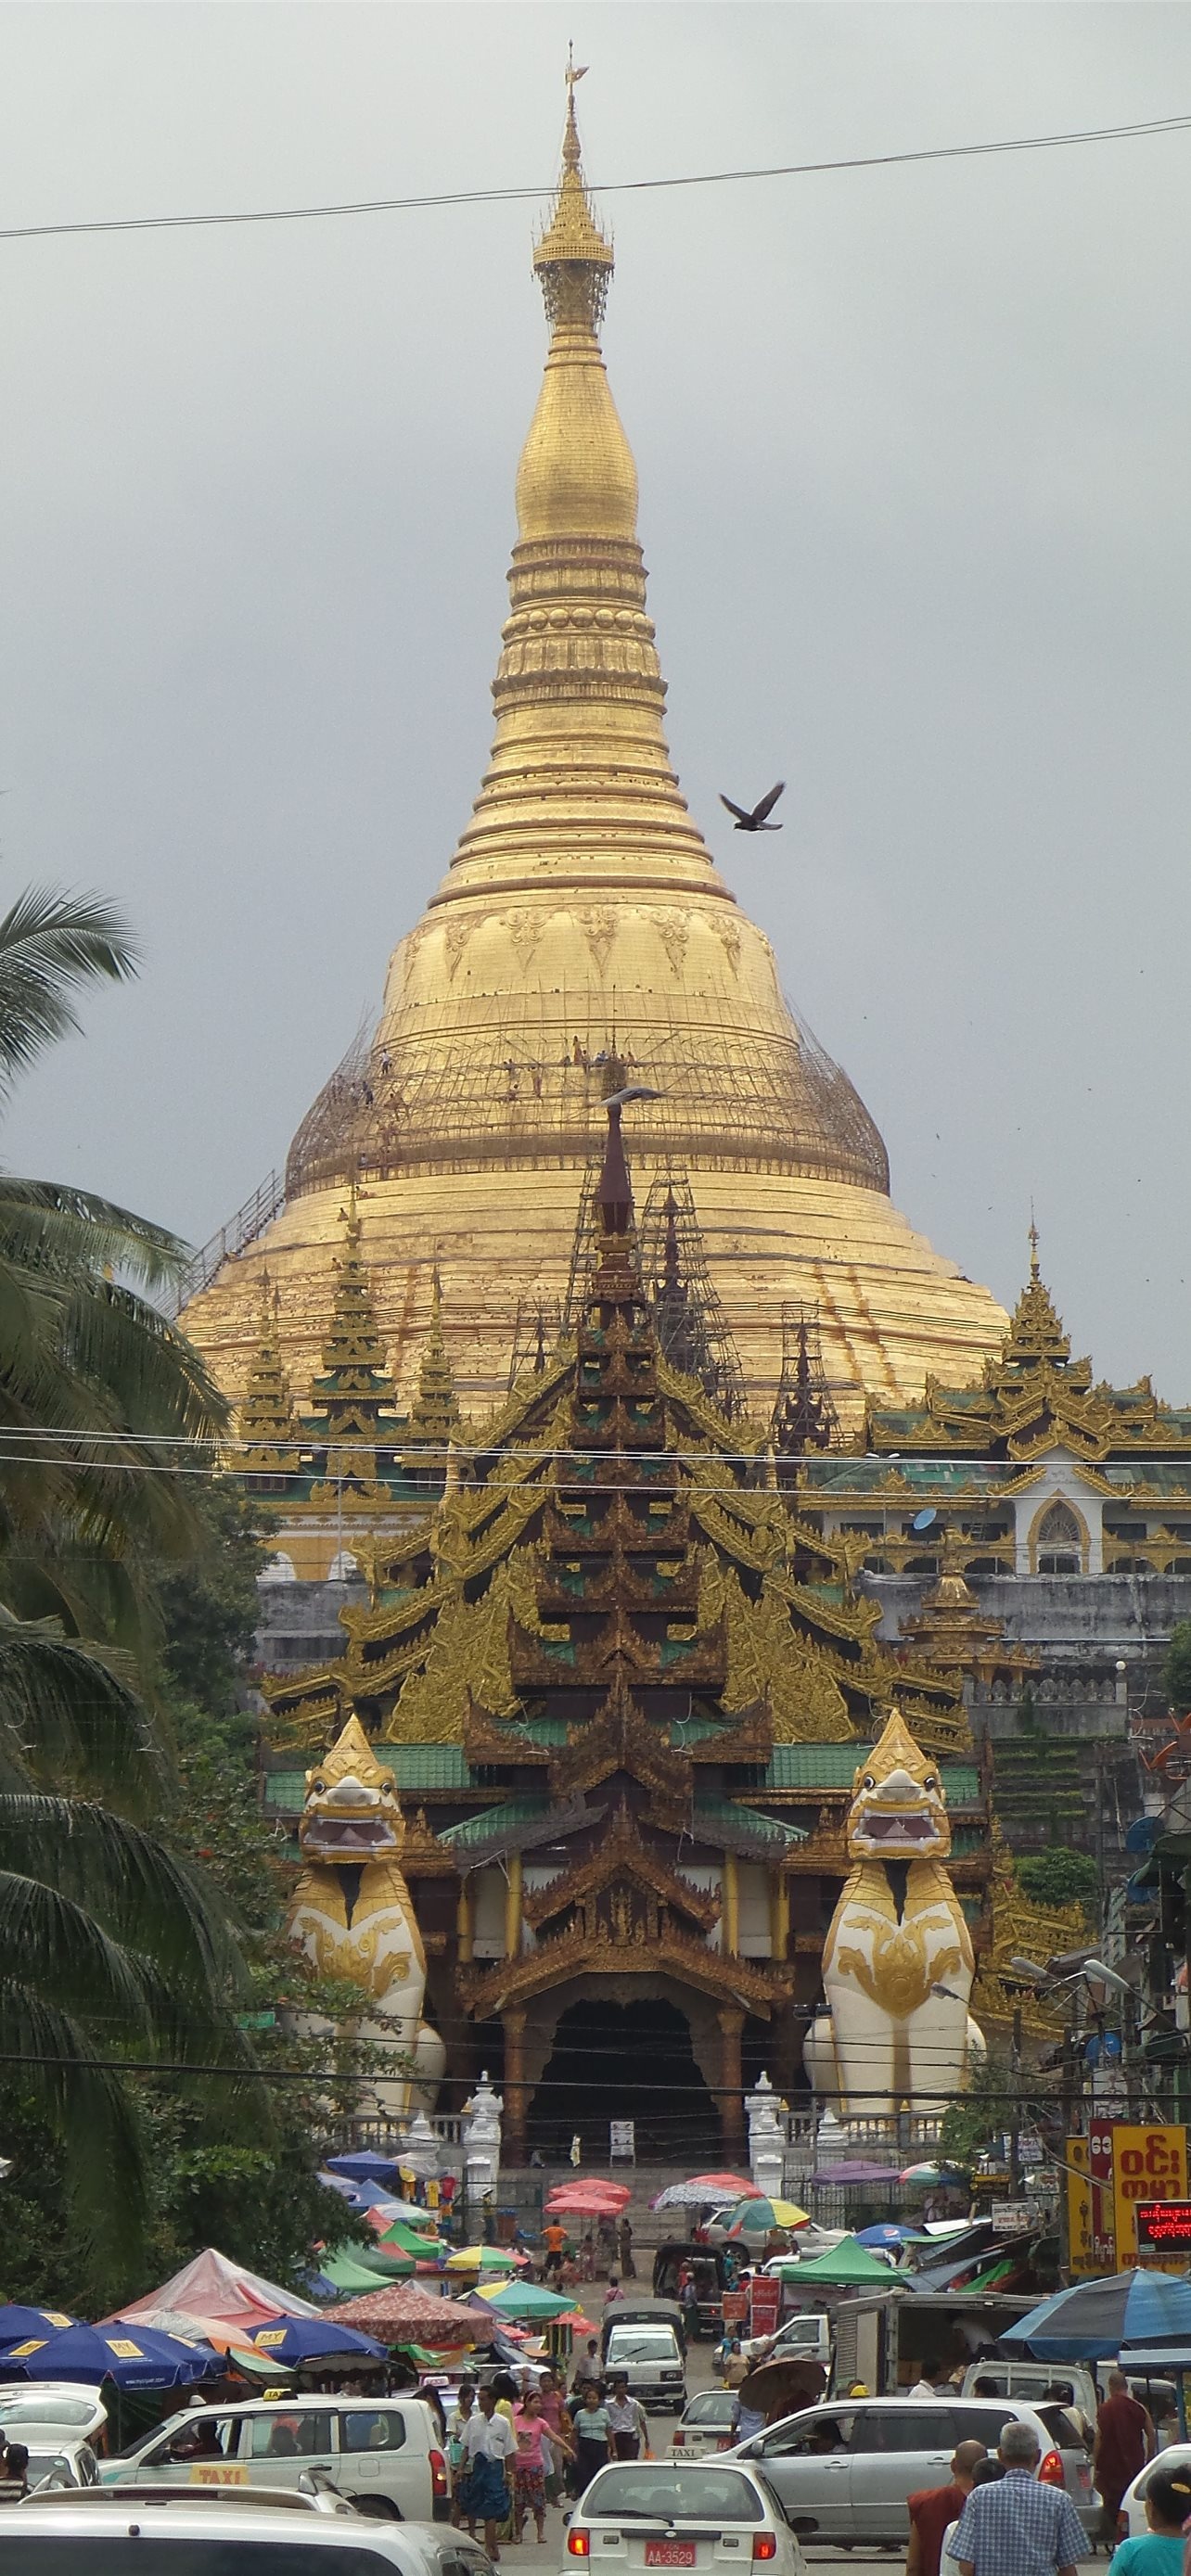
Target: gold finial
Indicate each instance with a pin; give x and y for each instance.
(1033, 1246)
(572, 257)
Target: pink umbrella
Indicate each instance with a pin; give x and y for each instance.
(706, 2187)
(400, 2312)
(593, 2199)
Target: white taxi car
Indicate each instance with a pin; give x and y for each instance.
(640, 2514)
(706, 2424)
(381, 2451)
(216, 2533)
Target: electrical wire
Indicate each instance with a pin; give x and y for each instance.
(1143, 127)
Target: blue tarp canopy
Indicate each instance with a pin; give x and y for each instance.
(1093, 2320)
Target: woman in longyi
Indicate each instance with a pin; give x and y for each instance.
(898, 1962)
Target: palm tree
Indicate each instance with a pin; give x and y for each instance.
(112, 1950)
(98, 1391)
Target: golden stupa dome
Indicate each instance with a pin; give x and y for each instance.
(583, 937)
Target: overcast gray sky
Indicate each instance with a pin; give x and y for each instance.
(913, 448)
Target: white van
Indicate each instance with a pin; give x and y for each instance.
(382, 2452)
(651, 2357)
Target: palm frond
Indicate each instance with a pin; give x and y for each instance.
(144, 1895)
(48, 1225)
(88, 2107)
(50, 943)
(66, 1715)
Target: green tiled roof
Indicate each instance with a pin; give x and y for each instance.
(834, 1474)
(725, 1811)
(831, 1766)
(476, 1829)
(414, 1766)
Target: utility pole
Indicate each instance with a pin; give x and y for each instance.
(1015, 2109)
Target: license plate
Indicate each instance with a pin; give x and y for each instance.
(669, 2553)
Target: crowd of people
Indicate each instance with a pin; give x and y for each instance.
(521, 2443)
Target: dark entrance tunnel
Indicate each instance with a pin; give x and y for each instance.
(625, 2062)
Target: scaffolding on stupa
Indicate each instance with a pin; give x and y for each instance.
(689, 1320)
(468, 1086)
(538, 1327)
(804, 1413)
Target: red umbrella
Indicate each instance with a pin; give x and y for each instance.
(593, 2199)
(400, 2312)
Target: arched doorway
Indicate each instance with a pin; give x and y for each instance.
(629, 2061)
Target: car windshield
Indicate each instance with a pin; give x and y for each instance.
(658, 2346)
(714, 2407)
(642, 2494)
(46, 2464)
(43, 2406)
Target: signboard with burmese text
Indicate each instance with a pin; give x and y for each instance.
(1148, 2164)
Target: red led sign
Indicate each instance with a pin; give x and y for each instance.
(1166, 2223)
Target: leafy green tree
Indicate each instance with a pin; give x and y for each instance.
(1176, 1667)
(1058, 1876)
(114, 1949)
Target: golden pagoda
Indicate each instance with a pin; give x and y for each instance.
(582, 939)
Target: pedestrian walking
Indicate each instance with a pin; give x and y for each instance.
(624, 2247)
(529, 2466)
(932, 2508)
(593, 2436)
(1018, 2527)
(457, 2423)
(1124, 2441)
(489, 2440)
(627, 2418)
(1158, 2551)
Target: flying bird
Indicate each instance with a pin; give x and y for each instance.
(758, 820)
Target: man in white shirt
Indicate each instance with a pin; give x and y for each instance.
(924, 2385)
(488, 2441)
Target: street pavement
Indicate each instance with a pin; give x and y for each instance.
(551, 2560)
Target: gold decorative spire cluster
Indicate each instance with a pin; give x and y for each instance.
(267, 1423)
(571, 255)
(434, 1414)
(1036, 1332)
(355, 1396)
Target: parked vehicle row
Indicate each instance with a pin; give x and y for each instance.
(379, 2451)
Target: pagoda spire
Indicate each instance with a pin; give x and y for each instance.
(267, 1424)
(434, 1414)
(355, 1399)
(1036, 1334)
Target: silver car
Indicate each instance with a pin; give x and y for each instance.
(706, 2424)
(845, 2471)
(211, 2531)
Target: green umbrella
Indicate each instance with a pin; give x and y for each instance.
(849, 2266)
(349, 2274)
(525, 2299)
(408, 2240)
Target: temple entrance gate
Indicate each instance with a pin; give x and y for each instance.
(624, 2061)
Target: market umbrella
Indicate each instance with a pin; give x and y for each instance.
(596, 2198)
(211, 2285)
(190, 2329)
(525, 2299)
(759, 2217)
(345, 2273)
(135, 2356)
(928, 2174)
(1093, 2320)
(486, 2258)
(704, 2190)
(16, 2322)
(402, 2312)
(365, 2168)
(780, 2387)
(295, 2339)
(401, 2239)
(891, 2232)
(850, 2266)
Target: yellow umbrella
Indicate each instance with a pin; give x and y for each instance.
(484, 2258)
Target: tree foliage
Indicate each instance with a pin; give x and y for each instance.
(1176, 1667)
(1058, 1876)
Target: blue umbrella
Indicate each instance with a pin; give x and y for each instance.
(292, 2339)
(17, 2322)
(1093, 2320)
(134, 2356)
(364, 2168)
(890, 2232)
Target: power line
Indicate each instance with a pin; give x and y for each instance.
(1144, 127)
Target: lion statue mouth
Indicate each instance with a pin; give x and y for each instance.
(892, 1830)
(349, 1820)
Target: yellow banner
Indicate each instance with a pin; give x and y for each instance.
(1081, 2255)
(1147, 2164)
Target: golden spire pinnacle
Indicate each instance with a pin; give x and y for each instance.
(268, 1426)
(1036, 1333)
(572, 257)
